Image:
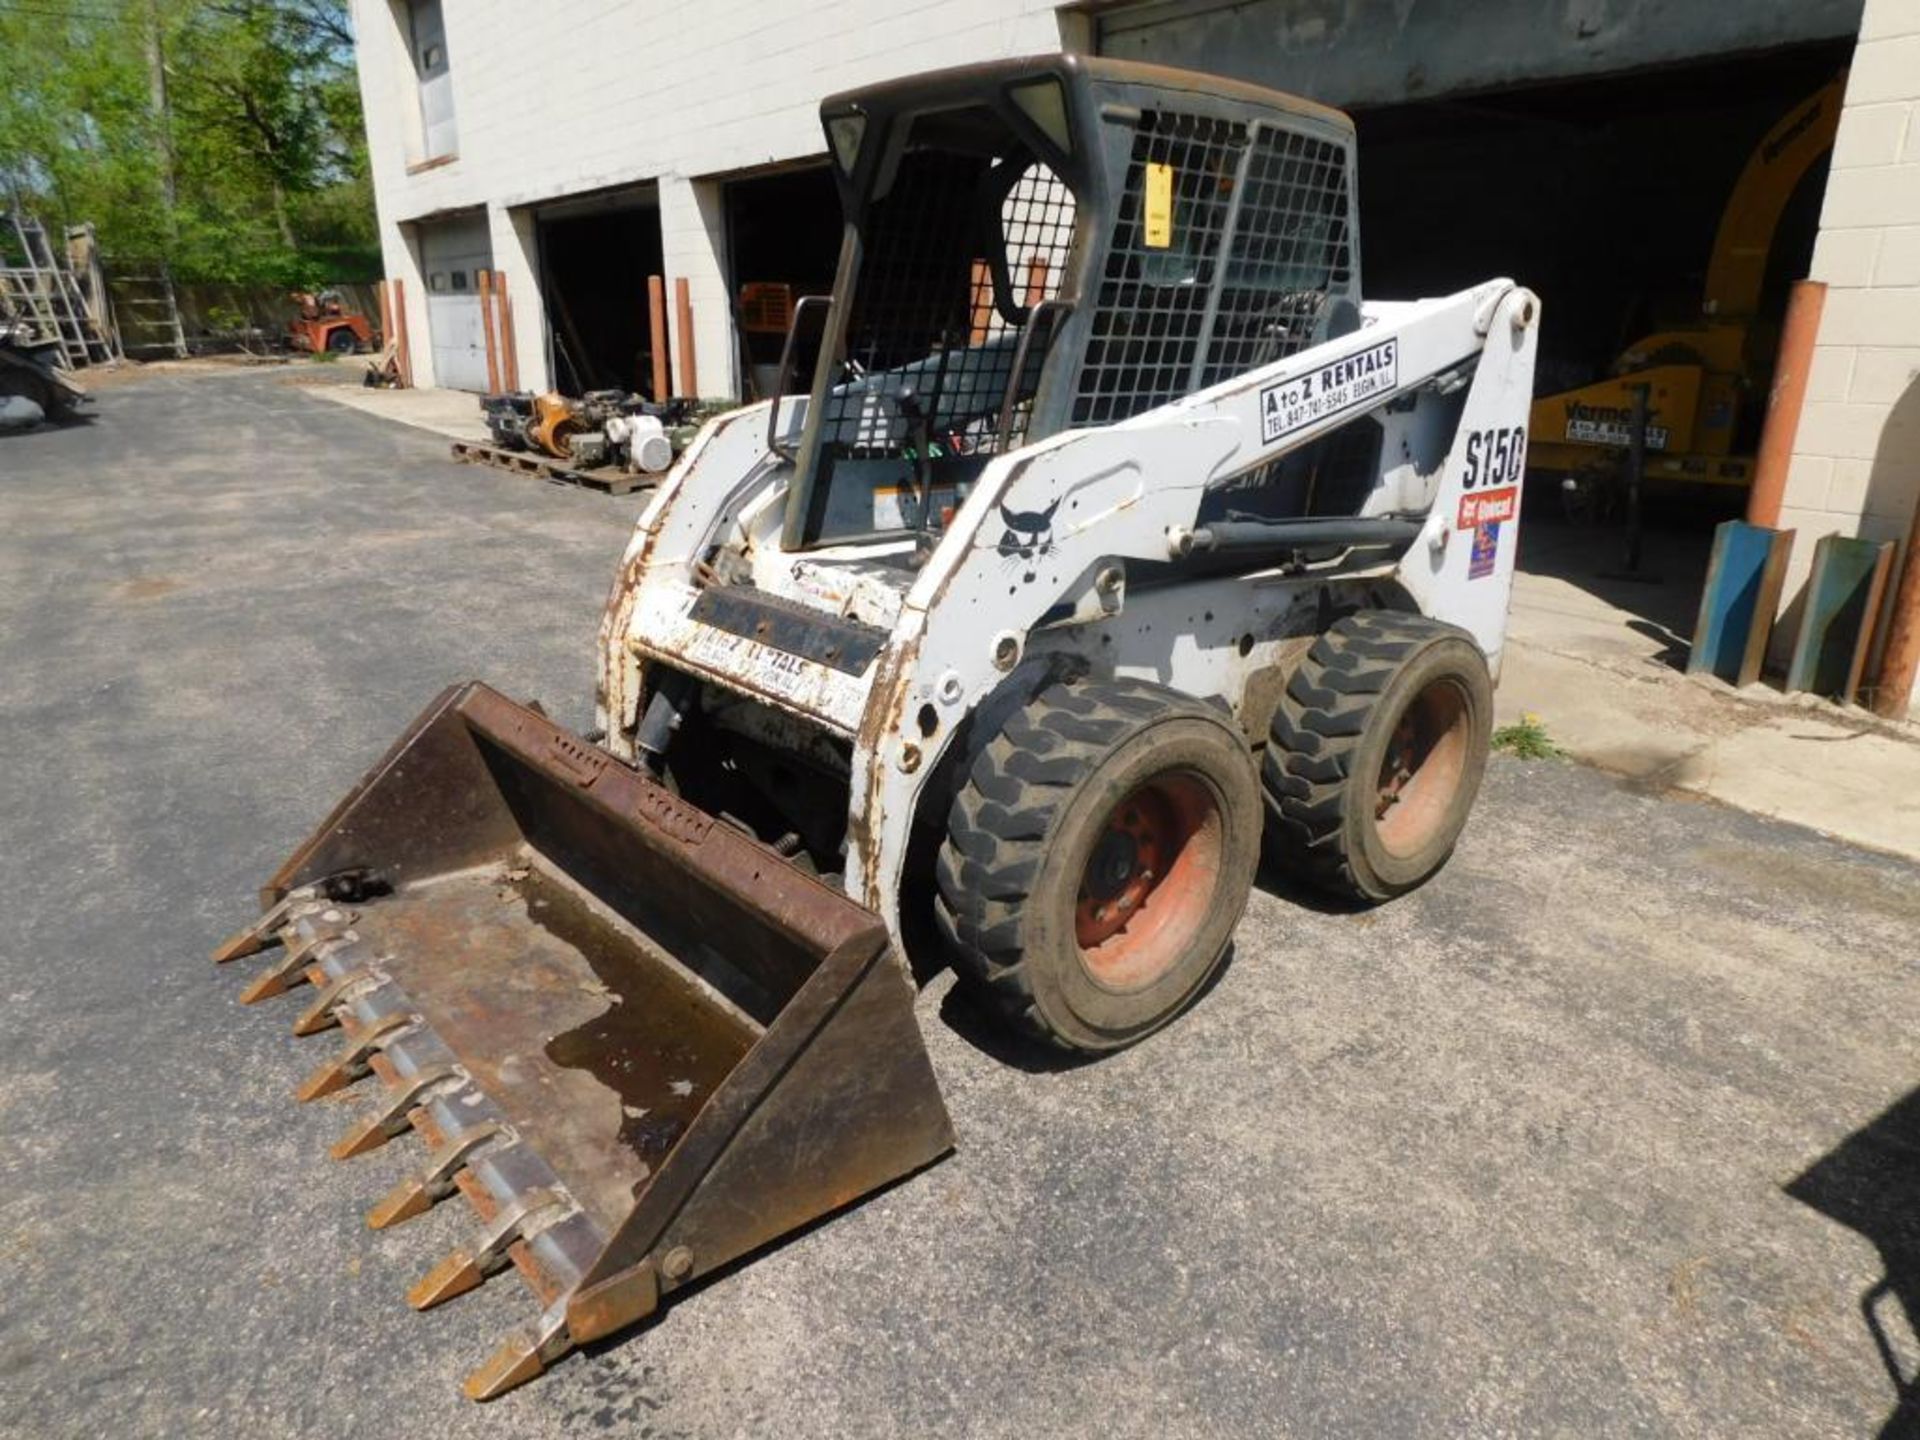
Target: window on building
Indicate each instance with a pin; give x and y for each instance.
(427, 34)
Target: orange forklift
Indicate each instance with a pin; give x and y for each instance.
(325, 324)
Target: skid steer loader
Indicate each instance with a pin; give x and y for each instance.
(1114, 532)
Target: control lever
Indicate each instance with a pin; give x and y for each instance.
(907, 400)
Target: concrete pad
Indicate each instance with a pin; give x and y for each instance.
(1598, 660)
(1641, 726)
(1852, 783)
(453, 413)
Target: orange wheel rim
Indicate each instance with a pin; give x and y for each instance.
(1149, 882)
(1421, 772)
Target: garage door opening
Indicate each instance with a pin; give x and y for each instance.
(783, 241)
(1606, 197)
(595, 256)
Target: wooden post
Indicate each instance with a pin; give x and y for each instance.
(1900, 659)
(405, 353)
(1036, 280)
(982, 315)
(683, 319)
(486, 325)
(509, 355)
(657, 319)
(384, 291)
(1784, 402)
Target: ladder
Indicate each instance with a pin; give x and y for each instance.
(45, 291)
(154, 307)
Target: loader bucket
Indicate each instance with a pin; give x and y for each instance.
(640, 1043)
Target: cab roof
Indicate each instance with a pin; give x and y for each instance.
(960, 83)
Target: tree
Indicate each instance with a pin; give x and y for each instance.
(242, 158)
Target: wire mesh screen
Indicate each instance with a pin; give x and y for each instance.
(972, 235)
(927, 315)
(1290, 249)
(1152, 305)
(1170, 318)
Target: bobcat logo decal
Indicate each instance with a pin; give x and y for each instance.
(1028, 534)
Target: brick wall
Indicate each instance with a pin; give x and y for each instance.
(1856, 462)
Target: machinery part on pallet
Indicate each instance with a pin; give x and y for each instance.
(1376, 753)
(554, 420)
(638, 1042)
(649, 450)
(589, 448)
(508, 416)
(1097, 859)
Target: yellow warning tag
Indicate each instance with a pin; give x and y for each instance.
(1159, 216)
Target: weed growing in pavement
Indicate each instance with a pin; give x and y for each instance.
(1526, 739)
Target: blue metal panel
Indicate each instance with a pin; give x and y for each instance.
(1738, 605)
(1836, 624)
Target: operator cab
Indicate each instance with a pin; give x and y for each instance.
(1049, 243)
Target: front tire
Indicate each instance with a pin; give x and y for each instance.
(1098, 859)
(1376, 753)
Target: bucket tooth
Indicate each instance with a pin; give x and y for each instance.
(322, 1014)
(391, 1117)
(508, 950)
(292, 968)
(351, 1064)
(522, 1356)
(266, 930)
(417, 1194)
(461, 1271)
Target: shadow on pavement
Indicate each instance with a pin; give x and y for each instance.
(1870, 1183)
(1589, 557)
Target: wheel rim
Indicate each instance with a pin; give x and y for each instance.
(1422, 770)
(1149, 881)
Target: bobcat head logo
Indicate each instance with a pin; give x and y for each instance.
(1028, 533)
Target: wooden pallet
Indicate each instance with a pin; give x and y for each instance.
(608, 478)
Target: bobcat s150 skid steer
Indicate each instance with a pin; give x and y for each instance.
(1114, 533)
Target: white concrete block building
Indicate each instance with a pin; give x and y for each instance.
(1856, 461)
(1584, 146)
(491, 123)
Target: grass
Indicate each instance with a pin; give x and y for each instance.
(1526, 739)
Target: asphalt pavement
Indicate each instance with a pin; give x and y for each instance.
(1609, 1130)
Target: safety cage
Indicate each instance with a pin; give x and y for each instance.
(1053, 243)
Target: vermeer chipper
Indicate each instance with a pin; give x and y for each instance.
(1114, 533)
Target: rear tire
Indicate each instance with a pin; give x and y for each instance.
(1376, 753)
(1097, 860)
(341, 341)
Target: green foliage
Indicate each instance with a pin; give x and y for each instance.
(254, 113)
(1526, 739)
